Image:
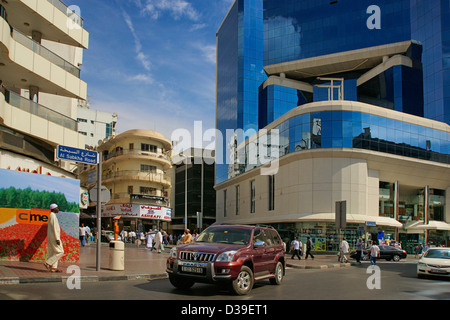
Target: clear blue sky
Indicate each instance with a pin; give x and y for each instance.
(152, 61)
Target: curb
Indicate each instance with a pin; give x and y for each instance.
(18, 280)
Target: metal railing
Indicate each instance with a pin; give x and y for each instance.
(139, 175)
(32, 107)
(61, 6)
(45, 53)
(118, 153)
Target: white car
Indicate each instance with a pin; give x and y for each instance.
(435, 262)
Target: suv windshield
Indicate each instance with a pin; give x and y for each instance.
(223, 235)
(438, 254)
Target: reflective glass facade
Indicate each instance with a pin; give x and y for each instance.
(302, 29)
(351, 129)
(240, 72)
(259, 33)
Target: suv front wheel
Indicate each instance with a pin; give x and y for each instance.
(243, 284)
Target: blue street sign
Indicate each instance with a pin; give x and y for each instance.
(77, 155)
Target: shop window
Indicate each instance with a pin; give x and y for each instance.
(436, 203)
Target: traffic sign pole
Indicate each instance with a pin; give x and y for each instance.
(99, 209)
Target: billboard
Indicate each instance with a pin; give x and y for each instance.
(24, 209)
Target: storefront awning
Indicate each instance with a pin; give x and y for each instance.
(433, 225)
(389, 222)
(319, 217)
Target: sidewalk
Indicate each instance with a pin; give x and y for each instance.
(140, 263)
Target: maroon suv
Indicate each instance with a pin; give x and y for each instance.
(239, 255)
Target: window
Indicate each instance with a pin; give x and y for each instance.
(224, 203)
(131, 146)
(81, 120)
(130, 189)
(237, 199)
(271, 192)
(147, 190)
(148, 168)
(148, 147)
(252, 196)
(261, 235)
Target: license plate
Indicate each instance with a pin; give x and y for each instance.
(438, 271)
(192, 269)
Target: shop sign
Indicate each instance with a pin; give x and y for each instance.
(84, 199)
(371, 223)
(156, 212)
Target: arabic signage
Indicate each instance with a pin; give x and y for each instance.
(137, 211)
(77, 155)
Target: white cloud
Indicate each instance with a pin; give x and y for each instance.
(209, 53)
(176, 8)
(140, 78)
(140, 55)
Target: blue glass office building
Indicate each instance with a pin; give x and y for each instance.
(277, 60)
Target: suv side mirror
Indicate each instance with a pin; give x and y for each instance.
(259, 244)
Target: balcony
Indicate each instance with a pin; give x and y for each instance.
(39, 110)
(144, 199)
(54, 19)
(128, 154)
(26, 63)
(137, 175)
(61, 6)
(39, 121)
(45, 53)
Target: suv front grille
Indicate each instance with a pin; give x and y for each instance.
(197, 256)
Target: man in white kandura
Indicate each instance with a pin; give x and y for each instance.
(55, 248)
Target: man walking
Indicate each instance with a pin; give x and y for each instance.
(359, 250)
(54, 245)
(309, 246)
(374, 254)
(295, 248)
(344, 250)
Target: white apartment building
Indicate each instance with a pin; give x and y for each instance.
(95, 125)
(42, 46)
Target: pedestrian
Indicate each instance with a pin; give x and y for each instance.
(374, 252)
(88, 234)
(187, 238)
(344, 248)
(132, 235)
(420, 250)
(150, 237)
(158, 241)
(309, 245)
(55, 248)
(358, 250)
(295, 249)
(83, 234)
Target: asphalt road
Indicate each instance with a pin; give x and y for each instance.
(396, 281)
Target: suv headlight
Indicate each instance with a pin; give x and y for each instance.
(173, 253)
(226, 256)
